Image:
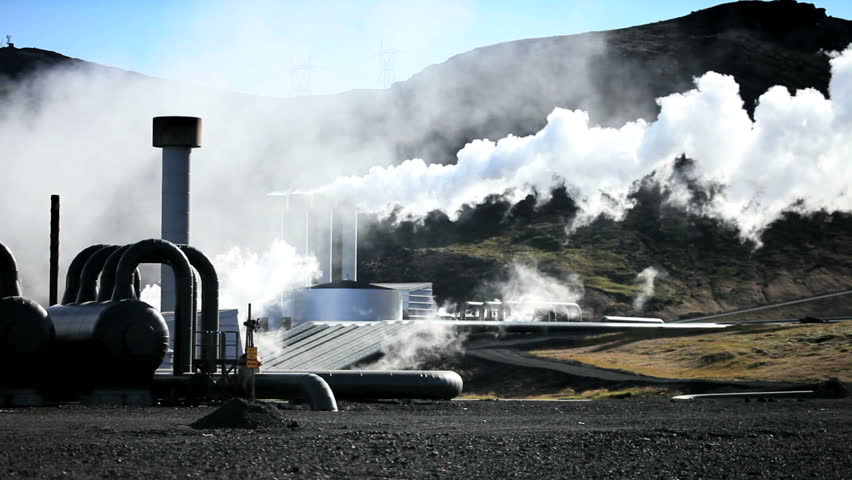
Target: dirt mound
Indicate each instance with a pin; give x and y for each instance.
(241, 413)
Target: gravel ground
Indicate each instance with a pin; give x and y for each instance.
(475, 439)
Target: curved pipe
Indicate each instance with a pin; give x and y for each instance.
(305, 386)
(108, 276)
(72, 277)
(9, 286)
(87, 290)
(175, 258)
(209, 305)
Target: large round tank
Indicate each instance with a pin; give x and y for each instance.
(347, 301)
(26, 334)
(108, 344)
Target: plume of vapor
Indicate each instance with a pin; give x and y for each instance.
(645, 279)
(422, 342)
(262, 279)
(795, 149)
(528, 286)
(150, 294)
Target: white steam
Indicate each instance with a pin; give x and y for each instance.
(645, 280)
(262, 279)
(796, 148)
(151, 295)
(422, 342)
(534, 290)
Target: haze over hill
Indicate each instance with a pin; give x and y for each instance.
(89, 127)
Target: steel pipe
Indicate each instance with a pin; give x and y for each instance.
(88, 291)
(9, 286)
(72, 276)
(304, 386)
(375, 384)
(209, 305)
(174, 257)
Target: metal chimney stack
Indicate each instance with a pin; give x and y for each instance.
(177, 136)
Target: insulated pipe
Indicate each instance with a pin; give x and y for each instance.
(88, 292)
(171, 255)
(376, 384)
(9, 286)
(209, 305)
(72, 277)
(108, 276)
(177, 136)
(306, 386)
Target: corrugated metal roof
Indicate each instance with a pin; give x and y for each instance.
(405, 286)
(333, 345)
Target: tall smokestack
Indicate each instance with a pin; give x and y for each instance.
(177, 136)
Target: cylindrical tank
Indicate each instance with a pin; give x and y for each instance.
(347, 301)
(26, 334)
(118, 343)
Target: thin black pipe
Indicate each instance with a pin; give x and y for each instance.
(209, 305)
(72, 277)
(87, 291)
(9, 286)
(53, 295)
(175, 258)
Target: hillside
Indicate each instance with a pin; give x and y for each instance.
(777, 353)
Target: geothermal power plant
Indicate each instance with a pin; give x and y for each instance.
(100, 343)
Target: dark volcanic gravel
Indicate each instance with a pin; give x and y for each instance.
(241, 413)
(476, 439)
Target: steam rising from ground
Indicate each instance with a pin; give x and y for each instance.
(796, 148)
(422, 342)
(645, 279)
(527, 285)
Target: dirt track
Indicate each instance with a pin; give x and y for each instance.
(485, 439)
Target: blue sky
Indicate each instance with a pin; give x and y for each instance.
(284, 48)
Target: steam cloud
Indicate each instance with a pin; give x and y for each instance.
(420, 343)
(795, 149)
(526, 284)
(645, 279)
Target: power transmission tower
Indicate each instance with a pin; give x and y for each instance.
(387, 57)
(300, 77)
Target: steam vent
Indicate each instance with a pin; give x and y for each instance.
(177, 136)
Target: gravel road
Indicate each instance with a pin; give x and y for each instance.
(463, 439)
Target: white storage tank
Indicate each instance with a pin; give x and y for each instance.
(347, 301)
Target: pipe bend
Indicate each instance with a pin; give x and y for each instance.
(9, 286)
(87, 290)
(209, 304)
(307, 386)
(72, 277)
(162, 251)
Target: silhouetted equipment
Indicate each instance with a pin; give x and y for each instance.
(26, 332)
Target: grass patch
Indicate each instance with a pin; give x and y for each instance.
(786, 353)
